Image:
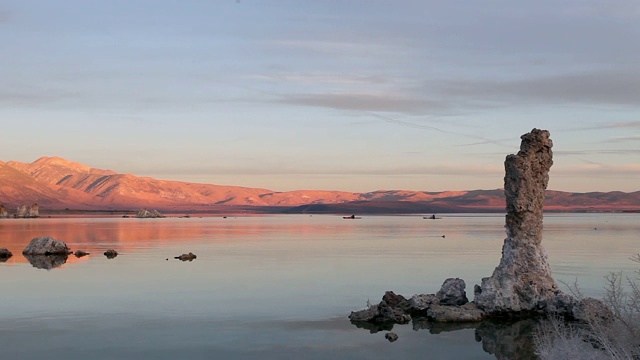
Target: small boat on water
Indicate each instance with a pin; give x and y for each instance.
(432, 217)
(351, 217)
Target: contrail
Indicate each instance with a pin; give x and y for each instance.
(429, 127)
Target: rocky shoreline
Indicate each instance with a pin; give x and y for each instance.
(521, 286)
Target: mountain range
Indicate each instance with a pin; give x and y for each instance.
(56, 183)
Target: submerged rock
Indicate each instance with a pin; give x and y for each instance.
(46, 262)
(186, 257)
(391, 336)
(46, 246)
(144, 213)
(110, 254)
(80, 253)
(522, 281)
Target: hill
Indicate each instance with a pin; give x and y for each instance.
(57, 183)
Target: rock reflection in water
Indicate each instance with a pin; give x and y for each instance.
(46, 262)
(373, 328)
(508, 340)
(503, 339)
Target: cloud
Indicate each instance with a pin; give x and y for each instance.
(319, 78)
(598, 170)
(483, 140)
(599, 152)
(617, 125)
(590, 88)
(467, 170)
(617, 88)
(627, 138)
(624, 125)
(366, 102)
(32, 98)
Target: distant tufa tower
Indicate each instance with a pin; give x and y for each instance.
(25, 211)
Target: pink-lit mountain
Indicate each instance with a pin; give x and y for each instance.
(56, 183)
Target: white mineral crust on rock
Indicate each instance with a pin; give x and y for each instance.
(522, 281)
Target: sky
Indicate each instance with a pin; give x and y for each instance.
(348, 95)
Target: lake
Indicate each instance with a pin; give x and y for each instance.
(274, 287)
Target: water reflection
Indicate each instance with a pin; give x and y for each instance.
(508, 340)
(300, 269)
(503, 339)
(46, 262)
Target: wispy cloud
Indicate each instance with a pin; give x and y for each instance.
(366, 102)
(623, 125)
(483, 140)
(471, 170)
(437, 97)
(591, 88)
(319, 78)
(598, 170)
(606, 125)
(626, 138)
(599, 152)
(33, 97)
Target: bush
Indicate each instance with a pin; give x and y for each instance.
(598, 337)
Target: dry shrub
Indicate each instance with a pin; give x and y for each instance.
(598, 337)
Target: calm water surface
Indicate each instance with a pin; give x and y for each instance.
(272, 287)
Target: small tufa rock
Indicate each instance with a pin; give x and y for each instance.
(392, 309)
(591, 310)
(110, 254)
(468, 312)
(391, 336)
(452, 292)
(420, 303)
(586, 310)
(5, 253)
(366, 315)
(46, 246)
(186, 257)
(80, 253)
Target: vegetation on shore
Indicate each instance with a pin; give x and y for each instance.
(603, 336)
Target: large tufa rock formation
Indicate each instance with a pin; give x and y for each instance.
(522, 281)
(25, 211)
(521, 285)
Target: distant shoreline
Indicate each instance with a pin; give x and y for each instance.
(245, 210)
